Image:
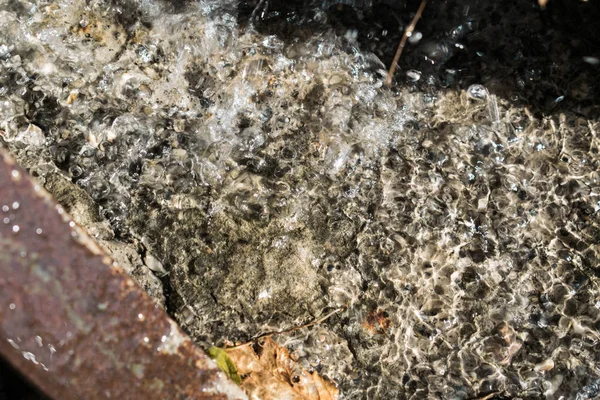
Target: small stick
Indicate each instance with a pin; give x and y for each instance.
(292, 329)
(489, 396)
(407, 33)
(259, 6)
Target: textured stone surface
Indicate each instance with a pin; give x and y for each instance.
(74, 323)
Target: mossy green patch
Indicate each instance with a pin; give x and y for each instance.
(225, 363)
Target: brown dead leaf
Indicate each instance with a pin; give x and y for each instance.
(510, 337)
(269, 372)
(376, 322)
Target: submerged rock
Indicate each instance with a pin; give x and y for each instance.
(454, 218)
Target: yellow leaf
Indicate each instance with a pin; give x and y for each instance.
(270, 373)
(225, 363)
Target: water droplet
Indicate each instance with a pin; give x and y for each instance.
(5, 208)
(540, 147)
(15, 205)
(351, 35)
(436, 52)
(30, 357)
(146, 340)
(6, 220)
(16, 175)
(76, 171)
(478, 92)
(15, 228)
(12, 306)
(98, 189)
(38, 231)
(141, 316)
(591, 60)
(415, 37)
(413, 75)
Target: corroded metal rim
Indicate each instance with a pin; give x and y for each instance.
(74, 323)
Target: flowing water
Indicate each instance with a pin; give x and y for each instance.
(259, 167)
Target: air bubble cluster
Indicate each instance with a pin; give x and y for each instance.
(269, 181)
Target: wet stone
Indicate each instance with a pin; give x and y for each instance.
(252, 173)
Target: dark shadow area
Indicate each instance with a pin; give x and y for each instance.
(548, 59)
(13, 386)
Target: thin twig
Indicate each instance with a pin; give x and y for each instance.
(260, 6)
(295, 328)
(407, 33)
(489, 396)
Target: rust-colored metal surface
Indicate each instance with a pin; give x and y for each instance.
(74, 323)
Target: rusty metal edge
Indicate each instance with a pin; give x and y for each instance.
(74, 323)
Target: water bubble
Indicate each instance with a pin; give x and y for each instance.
(15, 205)
(436, 52)
(12, 306)
(461, 30)
(539, 147)
(415, 37)
(6, 50)
(477, 92)
(5, 208)
(15, 228)
(533, 74)
(98, 189)
(38, 231)
(76, 171)
(59, 153)
(351, 35)
(591, 60)
(413, 75)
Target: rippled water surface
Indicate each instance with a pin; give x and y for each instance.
(260, 168)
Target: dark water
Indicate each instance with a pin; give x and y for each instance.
(14, 387)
